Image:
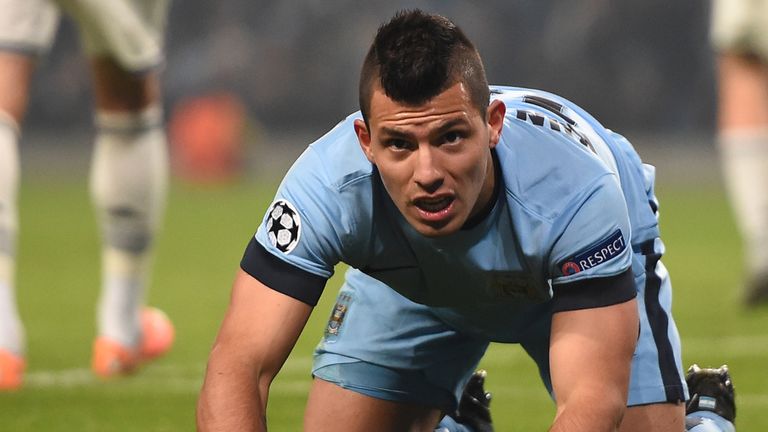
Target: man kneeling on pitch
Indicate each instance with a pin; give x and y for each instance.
(467, 214)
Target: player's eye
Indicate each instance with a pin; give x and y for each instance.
(452, 137)
(398, 144)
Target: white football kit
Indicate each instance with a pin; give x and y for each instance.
(131, 31)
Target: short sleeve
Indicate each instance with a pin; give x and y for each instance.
(302, 226)
(594, 235)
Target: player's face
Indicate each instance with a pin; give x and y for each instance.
(434, 159)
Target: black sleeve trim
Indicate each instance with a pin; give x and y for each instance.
(595, 292)
(281, 276)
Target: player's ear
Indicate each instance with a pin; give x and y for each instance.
(495, 118)
(364, 138)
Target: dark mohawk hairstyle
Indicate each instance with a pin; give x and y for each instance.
(413, 53)
(416, 56)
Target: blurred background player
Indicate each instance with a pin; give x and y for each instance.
(740, 36)
(123, 41)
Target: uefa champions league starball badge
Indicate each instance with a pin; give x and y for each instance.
(283, 226)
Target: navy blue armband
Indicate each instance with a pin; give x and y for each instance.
(281, 276)
(594, 292)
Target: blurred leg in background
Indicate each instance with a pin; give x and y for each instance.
(740, 36)
(27, 28)
(123, 41)
(128, 187)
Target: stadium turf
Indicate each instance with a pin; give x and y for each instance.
(198, 252)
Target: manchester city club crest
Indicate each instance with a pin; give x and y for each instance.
(337, 317)
(283, 226)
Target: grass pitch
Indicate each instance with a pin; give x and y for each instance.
(205, 232)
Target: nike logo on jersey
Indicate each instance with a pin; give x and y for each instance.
(514, 285)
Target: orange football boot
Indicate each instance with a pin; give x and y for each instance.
(112, 359)
(11, 370)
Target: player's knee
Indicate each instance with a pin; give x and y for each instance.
(330, 404)
(654, 417)
(117, 88)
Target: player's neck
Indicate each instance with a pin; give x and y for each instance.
(488, 202)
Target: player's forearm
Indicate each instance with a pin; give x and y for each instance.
(590, 411)
(232, 397)
(590, 361)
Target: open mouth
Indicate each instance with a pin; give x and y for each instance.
(433, 205)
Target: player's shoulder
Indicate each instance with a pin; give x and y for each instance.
(549, 114)
(536, 99)
(334, 160)
(547, 152)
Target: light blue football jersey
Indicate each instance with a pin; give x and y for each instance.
(568, 210)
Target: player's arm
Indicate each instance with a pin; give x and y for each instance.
(260, 328)
(284, 270)
(590, 358)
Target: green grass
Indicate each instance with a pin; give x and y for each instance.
(198, 252)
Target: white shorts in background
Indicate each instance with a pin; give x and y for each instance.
(27, 26)
(130, 31)
(740, 26)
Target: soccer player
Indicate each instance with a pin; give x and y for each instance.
(123, 40)
(740, 37)
(466, 215)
